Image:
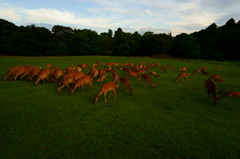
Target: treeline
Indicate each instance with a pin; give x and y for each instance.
(214, 42)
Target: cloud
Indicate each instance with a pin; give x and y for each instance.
(10, 14)
(135, 15)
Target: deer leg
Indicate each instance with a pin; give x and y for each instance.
(105, 99)
(115, 94)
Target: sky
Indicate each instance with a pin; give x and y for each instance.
(158, 16)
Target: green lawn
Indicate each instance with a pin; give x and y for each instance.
(171, 120)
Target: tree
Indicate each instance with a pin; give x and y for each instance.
(186, 46)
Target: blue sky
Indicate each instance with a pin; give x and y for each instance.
(159, 16)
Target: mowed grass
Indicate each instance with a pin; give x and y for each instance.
(171, 120)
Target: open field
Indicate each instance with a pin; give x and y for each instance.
(171, 120)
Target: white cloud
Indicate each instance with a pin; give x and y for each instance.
(175, 16)
(10, 14)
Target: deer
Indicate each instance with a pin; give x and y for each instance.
(65, 82)
(214, 77)
(106, 87)
(134, 74)
(183, 69)
(81, 82)
(57, 74)
(75, 74)
(230, 94)
(34, 73)
(28, 69)
(125, 82)
(43, 75)
(182, 75)
(211, 88)
(101, 77)
(197, 71)
(69, 69)
(146, 79)
(114, 75)
(48, 65)
(218, 80)
(16, 73)
(102, 71)
(11, 71)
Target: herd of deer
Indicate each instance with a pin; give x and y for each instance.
(73, 76)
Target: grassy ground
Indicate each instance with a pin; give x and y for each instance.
(172, 120)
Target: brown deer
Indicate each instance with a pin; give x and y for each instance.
(182, 75)
(134, 74)
(146, 79)
(114, 75)
(11, 71)
(65, 82)
(43, 75)
(125, 82)
(28, 69)
(213, 77)
(210, 87)
(197, 71)
(34, 73)
(81, 82)
(109, 86)
(18, 72)
(57, 74)
(183, 69)
(230, 94)
(101, 77)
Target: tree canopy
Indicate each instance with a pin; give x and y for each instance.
(218, 43)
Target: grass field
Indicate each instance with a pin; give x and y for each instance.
(171, 120)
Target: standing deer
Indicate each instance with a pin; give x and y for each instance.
(125, 82)
(211, 88)
(109, 86)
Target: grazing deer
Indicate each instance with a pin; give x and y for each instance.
(213, 77)
(152, 73)
(197, 71)
(157, 76)
(43, 75)
(109, 86)
(101, 77)
(69, 69)
(57, 74)
(230, 94)
(218, 80)
(183, 69)
(211, 88)
(164, 68)
(125, 82)
(11, 71)
(28, 69)
(34, 73)
(81, 82)
(65, 82)
(48, 65)
(146, 79)
(182, 75)
(134, 74)
(114, 75)
(18, 72)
